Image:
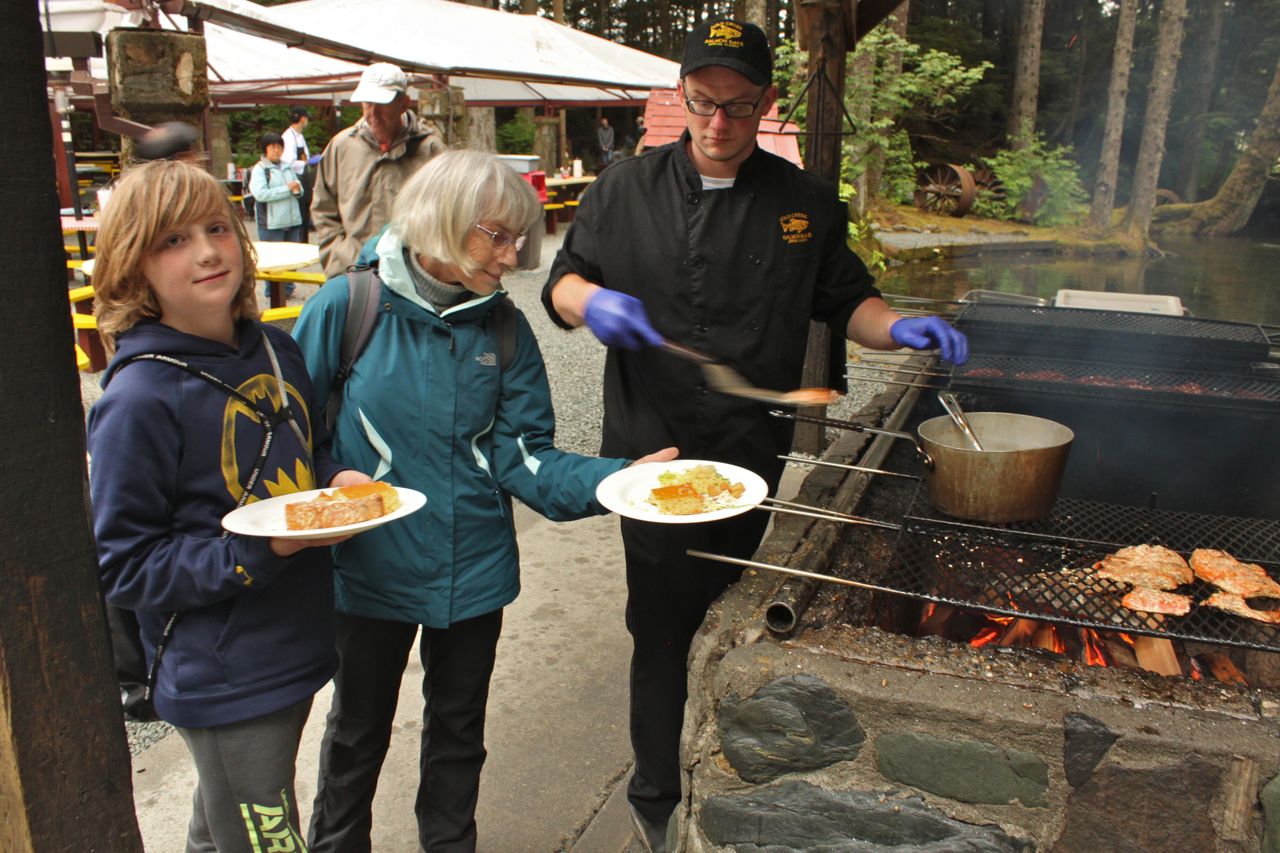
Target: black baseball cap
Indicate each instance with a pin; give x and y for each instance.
(739, 46)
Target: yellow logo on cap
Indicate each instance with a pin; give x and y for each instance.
(795, 228)
(724, 34)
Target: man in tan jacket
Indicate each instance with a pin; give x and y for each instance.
(365, 165)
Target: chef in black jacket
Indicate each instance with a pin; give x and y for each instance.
(715, 243)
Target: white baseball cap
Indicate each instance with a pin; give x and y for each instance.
(380, 83)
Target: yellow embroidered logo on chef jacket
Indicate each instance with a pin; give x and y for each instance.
(724, 34)
(795, 228)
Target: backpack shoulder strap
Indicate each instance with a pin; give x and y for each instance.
(362, 314)
(504, 320)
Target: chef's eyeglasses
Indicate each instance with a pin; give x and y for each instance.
(733, 109)
(503, 239)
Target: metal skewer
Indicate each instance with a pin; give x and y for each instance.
(895, 382)
(898, 364)
(751, 564)
(842, 466)
(790, 508)
(924, 371)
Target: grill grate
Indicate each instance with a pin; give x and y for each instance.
(1113, 336)
(1089, 321)
(1091, 379)
(1043, 571)
(1112, 526)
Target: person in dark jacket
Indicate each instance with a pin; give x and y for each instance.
(733, 251)
(205, 409)
(430, 405)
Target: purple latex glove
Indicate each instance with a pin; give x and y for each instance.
(931, 332)
(619, 320)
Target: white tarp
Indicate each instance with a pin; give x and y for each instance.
(472, 41)
(527, 59)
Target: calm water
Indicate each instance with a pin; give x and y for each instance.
(1221, 279)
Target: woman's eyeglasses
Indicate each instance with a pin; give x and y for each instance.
(503, 239)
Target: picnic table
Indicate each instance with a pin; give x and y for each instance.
(572, 186)
(88, 223)
(275, 258)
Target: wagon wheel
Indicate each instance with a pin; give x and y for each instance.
(989, 186)
(945, 188)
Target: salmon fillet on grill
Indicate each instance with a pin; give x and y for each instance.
(1230, 575)
(1238, 606)
(1151, 566)
(1154, 601)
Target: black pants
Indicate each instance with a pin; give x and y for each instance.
(667, 598)
(308, 181)
(457, 663)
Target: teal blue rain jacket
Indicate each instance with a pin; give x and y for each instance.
(429, 407)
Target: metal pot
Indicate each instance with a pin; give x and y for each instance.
(1015, 477)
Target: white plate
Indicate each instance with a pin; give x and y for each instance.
(626, 492)
(266, 518)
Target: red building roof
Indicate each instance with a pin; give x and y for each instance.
(664, 122)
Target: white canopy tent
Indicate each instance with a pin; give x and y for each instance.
(315, 49)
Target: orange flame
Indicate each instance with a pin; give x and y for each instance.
(1093, 649)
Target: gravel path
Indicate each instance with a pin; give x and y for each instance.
(575, 366)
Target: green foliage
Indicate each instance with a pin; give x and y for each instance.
(515, 136)
(898, 176)
(927, 88)
(244, 127)
(1036, 170)
(862, 239)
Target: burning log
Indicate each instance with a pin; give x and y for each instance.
(1156, 655)
(1223, 669)
(1019, 633)
(934, 620)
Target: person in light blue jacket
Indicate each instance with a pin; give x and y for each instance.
(431, 405)
(275, 190)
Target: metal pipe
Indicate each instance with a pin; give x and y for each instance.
(795, 594)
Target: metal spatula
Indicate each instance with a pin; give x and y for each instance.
(726, 380)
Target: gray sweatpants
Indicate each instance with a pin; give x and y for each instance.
(244, 801)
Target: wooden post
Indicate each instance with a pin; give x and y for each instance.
(64, 763)
(827, 25)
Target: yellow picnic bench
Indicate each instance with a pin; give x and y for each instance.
(90, 354)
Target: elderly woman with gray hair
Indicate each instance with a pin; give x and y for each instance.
(450, 397)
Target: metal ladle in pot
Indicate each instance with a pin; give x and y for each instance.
(949, 402)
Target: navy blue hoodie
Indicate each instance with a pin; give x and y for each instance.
(169, 455)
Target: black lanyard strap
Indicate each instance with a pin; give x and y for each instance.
(269, 421)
